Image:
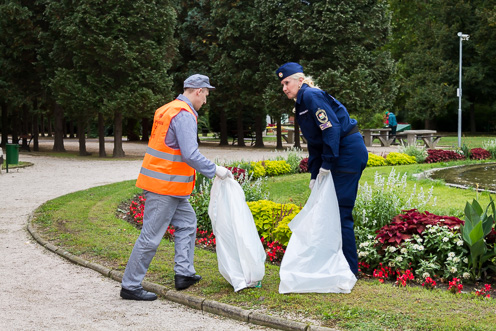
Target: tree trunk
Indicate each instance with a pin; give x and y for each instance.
(70, 129)
(58, 141)
(101, 136)
(297, 143)
(223, 128)
(42, 125)
(259, 129)
(429, 124)
(25, 128)
(14, 125)
(36, 128)
(131, 135)
(118, 151)
(145, 127)
(473, 128)
(81, 133)
(5, 124)
(239, 129)
(279, 134)
(49, 126)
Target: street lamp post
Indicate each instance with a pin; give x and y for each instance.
(459, 91)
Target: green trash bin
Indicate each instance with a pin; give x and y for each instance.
(12, 151)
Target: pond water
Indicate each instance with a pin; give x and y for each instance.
(469, 175)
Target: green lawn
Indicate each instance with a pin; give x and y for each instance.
(86, 224)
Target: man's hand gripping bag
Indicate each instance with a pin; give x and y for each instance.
(240, 254)
(314, 260)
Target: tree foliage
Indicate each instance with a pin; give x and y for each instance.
(73, 61)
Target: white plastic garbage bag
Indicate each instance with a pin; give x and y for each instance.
(240, 253)
(314, 259)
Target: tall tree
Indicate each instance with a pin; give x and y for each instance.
(117, 56)
(426, 45)
(19, 85)
(340, 44)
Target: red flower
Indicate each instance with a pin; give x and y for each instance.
(454, 286)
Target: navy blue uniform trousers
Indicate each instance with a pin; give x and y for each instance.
(346, 173)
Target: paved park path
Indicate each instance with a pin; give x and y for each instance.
(41, 291)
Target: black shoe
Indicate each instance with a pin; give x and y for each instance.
(183, 282)
(140, 295)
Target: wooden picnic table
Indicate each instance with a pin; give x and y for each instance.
(382, 134)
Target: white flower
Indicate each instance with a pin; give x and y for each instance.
(391, 264)
(416, 247)
(456, 227)
(449, 258)
(466, 275)
(364, 244)
(429, 226)
(370, 236)
(432, 230)
(425, 275)
(451, 254)
(363, 254)
(421, 248)
(399, 259)
(404, 250)
(445, 239)
(420, 240)
(456, 259)
(465, 260)
(453, 270)
(392, 249)
(459, 243)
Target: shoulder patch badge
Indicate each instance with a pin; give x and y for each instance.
(321, 115)
(322, 118)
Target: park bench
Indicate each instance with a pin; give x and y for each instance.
(28, 137)
(289, 137)
(248, 135)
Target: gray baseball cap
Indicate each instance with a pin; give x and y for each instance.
(198, 81)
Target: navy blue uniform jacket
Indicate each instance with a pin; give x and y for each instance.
(324, 122)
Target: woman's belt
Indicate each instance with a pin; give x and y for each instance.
(354, 130)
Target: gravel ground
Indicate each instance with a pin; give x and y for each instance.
(40, 290)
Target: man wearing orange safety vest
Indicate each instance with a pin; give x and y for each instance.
(167, 177)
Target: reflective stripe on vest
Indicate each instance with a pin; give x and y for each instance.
(163, 170)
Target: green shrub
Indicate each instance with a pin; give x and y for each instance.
(294, 158)
(375, 160)
(200, 198)
(269, 168)
(419, 152)
(272, 219)
(276, 168)
(282, 233)
(490, 145)
(257, 170)
(395, 158)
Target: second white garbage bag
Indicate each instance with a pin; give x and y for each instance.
(240, 253)
(314, 260)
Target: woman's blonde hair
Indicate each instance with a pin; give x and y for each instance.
(306, 79)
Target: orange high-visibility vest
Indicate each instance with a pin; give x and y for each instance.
(163, 170)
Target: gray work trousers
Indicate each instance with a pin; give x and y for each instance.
(160, 211)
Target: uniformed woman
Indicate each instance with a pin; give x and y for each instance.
(334, 145)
